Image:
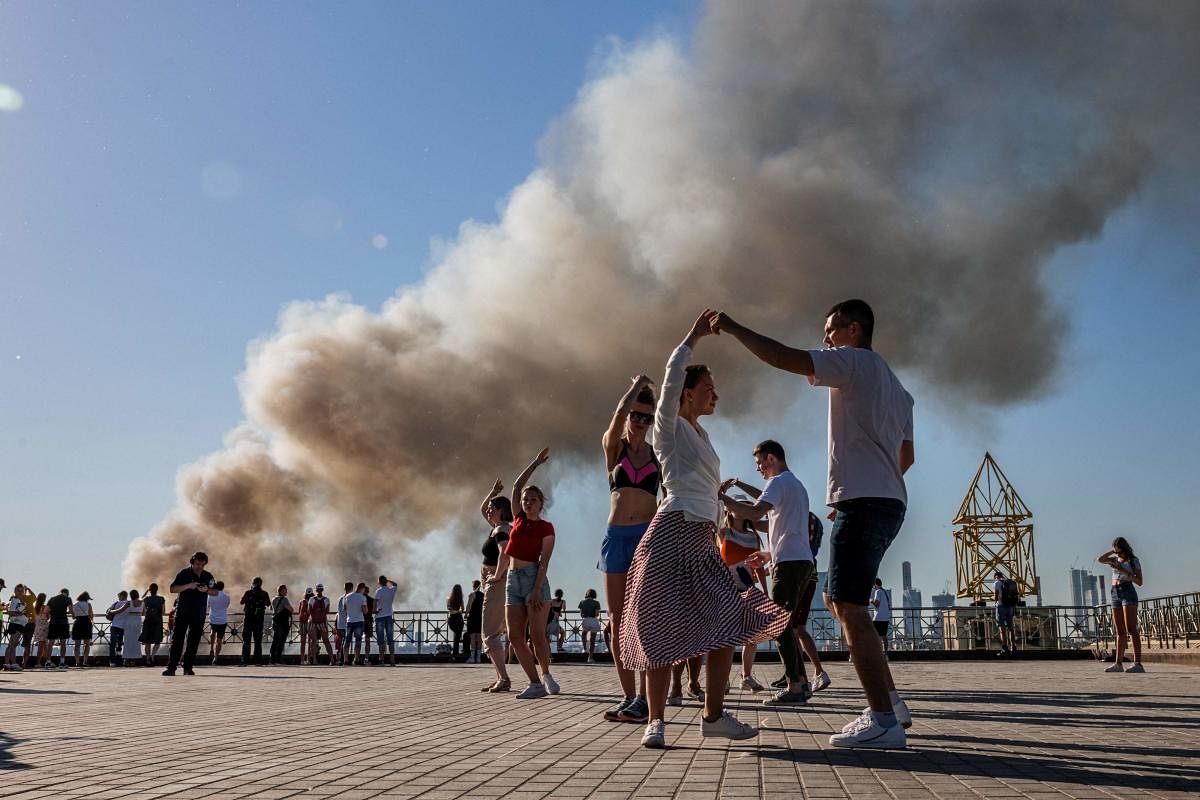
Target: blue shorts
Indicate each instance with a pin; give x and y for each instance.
(383, 631)
(862, 530)
(1123, 594)
(519, 586)
(1004, 616)
(616, 551)
(354, 632)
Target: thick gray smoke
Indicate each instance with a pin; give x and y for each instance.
(929, 158)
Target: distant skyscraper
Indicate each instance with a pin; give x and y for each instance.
(906, 570)
(912, 613)
(1037, 582)
(943, 600)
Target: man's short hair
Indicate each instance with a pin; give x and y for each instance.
(219, 585)
(257, 581)
(858, 311)
(382, 580)
(770, 447)
(199, 555)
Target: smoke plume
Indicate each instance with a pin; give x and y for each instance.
(929, 158)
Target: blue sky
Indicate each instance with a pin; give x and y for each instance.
(176, 175)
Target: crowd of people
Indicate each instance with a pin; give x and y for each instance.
(688, 576)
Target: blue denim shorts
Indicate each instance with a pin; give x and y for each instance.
(616, 550)
(1123, 594)
(519, 585)
(862, 530)
(1004, 616)
(354, 632)
(384, 632)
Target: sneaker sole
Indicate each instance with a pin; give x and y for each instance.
(654, 744)
(723, 735)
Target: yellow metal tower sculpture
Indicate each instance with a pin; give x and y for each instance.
(994, 533)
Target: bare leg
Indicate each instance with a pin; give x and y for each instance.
(870, 662)
(517, 618)
(1122, 633)
(1131, 625)
(657, 682)
(810, 648)
(748, 653)
(614, 590)
(716, 676)
(537, 635)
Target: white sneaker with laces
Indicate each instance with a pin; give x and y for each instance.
(532, 692)
(751, 684)
(727, 726)
(550, 684)
(655, 735)
(857, 721)
(868, 733)
(821, 681)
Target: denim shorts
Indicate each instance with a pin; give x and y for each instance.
(354, 632)
(1123, 594)
(384, 632)
(616, 550)
(1004, 616)
(519, 586)
(862, 530)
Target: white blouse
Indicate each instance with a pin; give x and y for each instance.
(691, 469)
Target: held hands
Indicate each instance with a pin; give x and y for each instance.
(725, 485)
(700, 328)
(716, 320)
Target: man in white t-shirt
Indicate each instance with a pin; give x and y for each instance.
(881, 610)
(218, 620)
(356, 608)
(870, 449)
(385, 596)
(784, 501)
(116, 628)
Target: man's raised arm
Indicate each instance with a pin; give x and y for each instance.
(768, 350)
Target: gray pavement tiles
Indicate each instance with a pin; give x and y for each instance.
(982, 729)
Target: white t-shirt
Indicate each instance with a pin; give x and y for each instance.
(787, 521)
(870, 414)
(341, 615)
(356, 606)
(883, 611)
(81, 609)
(385, 596)
(16, 611)
(118, 620)
(218, 608)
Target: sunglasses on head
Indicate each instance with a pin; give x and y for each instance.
(638, 416)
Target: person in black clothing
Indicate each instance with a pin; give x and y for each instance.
(254, 608)
(193, 586)
(474, 622)
(281, 624)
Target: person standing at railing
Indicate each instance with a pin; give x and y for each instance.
(131, 648)
(218, 620)
(385, 597)
(368, 621)
(41, 630)
(870, 448)
(60, 624)
(1126, 577)
(302, 626)
(15, 617)
(116, 628)
(555, 624)
(589, 623)
(634, 488)
(281, 623)
(497, 510)
(454, 618)
(737, 541)
(1007, 595)
(680, 600)
(152, 623)
(30, 599)
(318, 626)
(192, 587)
(474, 622)
(82, 628)
(255, 602)
(527, 589)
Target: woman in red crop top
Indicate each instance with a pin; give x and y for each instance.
(527, 590)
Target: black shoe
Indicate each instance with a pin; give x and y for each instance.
(169, 673)
(189, 672)
(780, 683)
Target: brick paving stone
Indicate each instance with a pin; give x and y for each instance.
(982, 729)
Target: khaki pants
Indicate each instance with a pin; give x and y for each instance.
(493, 614)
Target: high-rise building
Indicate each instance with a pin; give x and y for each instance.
(906, 571)
(943, 600)
(1087, 591)
(1037, 583)
(912, 613)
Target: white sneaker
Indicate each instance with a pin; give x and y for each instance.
(857, 721)
(751, 684)
(655, 735)
(869, 733)
(903, 715)
(550, 684)
(727, 726)
(821, 681)
(1116, 667)
(532, 692)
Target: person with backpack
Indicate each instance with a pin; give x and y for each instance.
(1007, 594)
(255, 602)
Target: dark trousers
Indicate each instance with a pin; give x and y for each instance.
(187, 632)
(279, 635)
(252, 629)
(456, 628)
(116, 642)
(791, 578)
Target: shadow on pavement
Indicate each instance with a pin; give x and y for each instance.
(7, 761)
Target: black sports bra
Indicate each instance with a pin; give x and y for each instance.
(626, 475)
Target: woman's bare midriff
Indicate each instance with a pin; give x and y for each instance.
(631, 506)
(517, 563)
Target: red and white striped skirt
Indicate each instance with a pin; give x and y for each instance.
(681, 601)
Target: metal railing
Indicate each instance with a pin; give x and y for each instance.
(1170, 622)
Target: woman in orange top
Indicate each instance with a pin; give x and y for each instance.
(737, 543)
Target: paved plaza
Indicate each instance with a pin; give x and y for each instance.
(982, 729)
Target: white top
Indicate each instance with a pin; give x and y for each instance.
(870, 414)
(81, 609)
(1125, 571)
(356, 606)
(883, 611)
(218, 608)
(16, 611)
(118, 620)
(385, 596)
(341, 612)
(787, 521)
(691, 470)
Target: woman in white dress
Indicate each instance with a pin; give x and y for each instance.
(131, 651)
